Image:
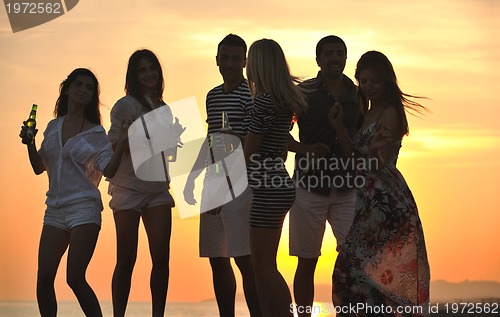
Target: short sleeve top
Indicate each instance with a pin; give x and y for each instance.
(265, 119)
(236, 103)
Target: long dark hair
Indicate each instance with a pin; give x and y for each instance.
(132, 85)
(380, 65)
(91, 111)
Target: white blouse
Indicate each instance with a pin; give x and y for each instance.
(129, 108)
(74, 169)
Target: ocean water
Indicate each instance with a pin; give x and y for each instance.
(134, 309)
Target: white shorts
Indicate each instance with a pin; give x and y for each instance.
(308, 217)
(68, 217)
(227, 234)
(123, 198)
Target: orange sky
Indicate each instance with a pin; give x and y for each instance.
(445, 50)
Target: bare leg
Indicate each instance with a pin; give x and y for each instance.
(53, 244)
(274, 295)
(158, 223)
(303, 284)
(224, 285)
(127, 225)
(245, 265)
(81, 248)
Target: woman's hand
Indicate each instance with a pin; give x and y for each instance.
(230, 131)
(336, 115)
(119, 148)
(27, 138)
(317, 150)
(336, 119)
(379, 144)
(124, 130)
(382, 138)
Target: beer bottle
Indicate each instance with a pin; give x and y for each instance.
(30, 124)
(171, 154)
(226, 127)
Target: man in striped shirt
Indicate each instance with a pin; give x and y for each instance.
(224, 231)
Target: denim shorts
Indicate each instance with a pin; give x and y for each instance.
(68, 217)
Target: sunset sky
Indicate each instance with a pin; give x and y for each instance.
(446, 50)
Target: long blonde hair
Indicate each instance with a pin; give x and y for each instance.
(268, 72)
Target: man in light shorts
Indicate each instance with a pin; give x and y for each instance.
(325, 188)
(225, 230)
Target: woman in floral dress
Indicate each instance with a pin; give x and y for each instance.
(383, 263)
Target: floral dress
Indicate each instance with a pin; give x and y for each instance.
(383, 262)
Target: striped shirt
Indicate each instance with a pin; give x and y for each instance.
(264, 119)
(236, 104)
(272, 187)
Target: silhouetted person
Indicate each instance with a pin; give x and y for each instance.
(384, 259)
(224, 232)
(325, 187)
(276, 99)
(134, 199)
(75, 152)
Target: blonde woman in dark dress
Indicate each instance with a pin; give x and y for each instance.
(276, 98)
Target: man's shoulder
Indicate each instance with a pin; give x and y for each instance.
(216, 90)
(310, 84)
(241, 92)
(348, 81)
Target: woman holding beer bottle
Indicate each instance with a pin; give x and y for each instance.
(75, 153)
